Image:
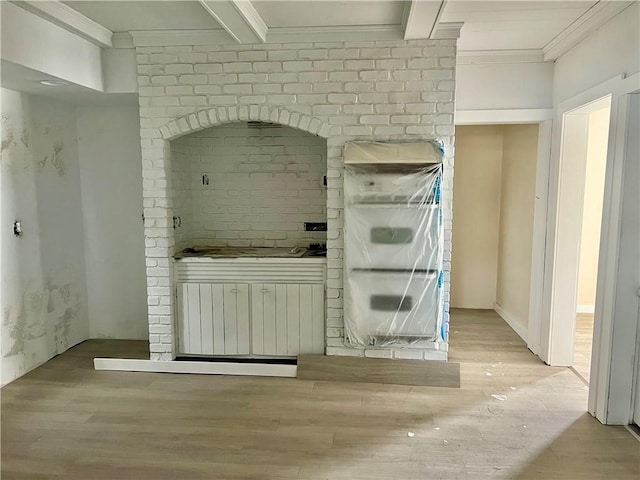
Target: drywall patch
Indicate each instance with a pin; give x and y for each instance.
(7, 142)
(16, 328)
(48, 312)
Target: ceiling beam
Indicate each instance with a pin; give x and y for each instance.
(445, 30)
(239, 18)
(420, 17)
(71, 20)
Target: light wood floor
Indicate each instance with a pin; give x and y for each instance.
(67, 421)
(582, 348)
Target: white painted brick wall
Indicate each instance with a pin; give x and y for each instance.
(340, 91)
(264, 183)
(182, 198)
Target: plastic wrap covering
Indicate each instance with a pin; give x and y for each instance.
(393, 253)
(371, 153)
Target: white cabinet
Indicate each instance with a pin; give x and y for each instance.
(287, 319)
(213, 318)
(250, 306)
(259, 318)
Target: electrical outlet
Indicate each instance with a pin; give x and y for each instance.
(17, 228)
(315, 226)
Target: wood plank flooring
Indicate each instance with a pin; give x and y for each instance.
(512, 418)
(379, 370)
(582, 348)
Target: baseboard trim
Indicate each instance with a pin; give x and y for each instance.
(634, 430)
(517, 326)
(586, 309)
(202, 368)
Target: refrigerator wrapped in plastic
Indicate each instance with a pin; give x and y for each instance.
(393, 251)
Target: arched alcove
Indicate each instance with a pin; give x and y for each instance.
(248, 184)
(161, 190)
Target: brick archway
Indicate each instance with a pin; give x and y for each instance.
(158, 210)
(227, 114)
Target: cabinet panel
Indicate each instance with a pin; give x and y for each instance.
(306, 317)
(282, 319)
(230, 319)
(293, 319)
(257, 319)
(193, 304)
(206, 318)
(242, 318)
(217, 297)
(213, 319)
(287, 319)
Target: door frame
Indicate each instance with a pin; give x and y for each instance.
(565, 225)
(611, 380)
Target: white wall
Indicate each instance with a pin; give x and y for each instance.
(506, 86)
(44, 298)
(111, 174)
(612, 50)
(476, 216)
(516, 224)
(38, 44)
(597, 137)
(119, 70)
(264, 183)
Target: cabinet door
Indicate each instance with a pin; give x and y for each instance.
(213, 318)
(287, 319)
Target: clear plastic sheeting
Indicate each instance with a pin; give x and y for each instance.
(393, 253)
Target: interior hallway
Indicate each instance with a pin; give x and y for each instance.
(65, 420)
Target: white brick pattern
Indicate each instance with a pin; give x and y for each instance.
(342, 91)
(264, 183)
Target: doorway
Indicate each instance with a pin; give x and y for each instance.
(597, 135)
(583, 152)
(493, 218)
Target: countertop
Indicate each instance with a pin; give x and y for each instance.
(247, 252)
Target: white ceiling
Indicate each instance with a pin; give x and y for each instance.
(318, 13)
(488, 25)
(517, 28)
(512, 25)
(122, 16)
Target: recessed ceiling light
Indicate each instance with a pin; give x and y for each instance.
(53, 83)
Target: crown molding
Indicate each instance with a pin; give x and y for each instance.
(159, 38)
(155, 38)
(69, 19)
(122, 40)
(446, 31)
(591, 20)
(484, 57)
(334, 34)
